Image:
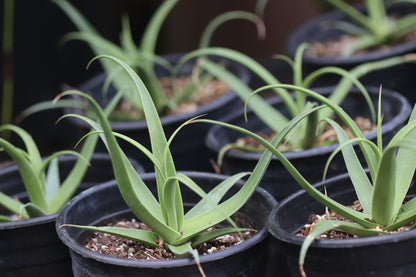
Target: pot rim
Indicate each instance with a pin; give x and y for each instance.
(80, 250)
(401, 117)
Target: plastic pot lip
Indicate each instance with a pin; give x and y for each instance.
(313, 26)
(289, 238)
(166, 120)
(401, 117)
(84, 252)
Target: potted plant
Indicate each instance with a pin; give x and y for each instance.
(383, 214)
(269, 116)
(355, 35)
(169, 227)
(177, 98)
(31, 194)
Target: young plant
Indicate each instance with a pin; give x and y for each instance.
(381, 193)
(375, 28)
(302, 137)
(180, 232)
(142, 58)
(41, 178)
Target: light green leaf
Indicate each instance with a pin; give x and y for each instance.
(146, 237)
(52, 180)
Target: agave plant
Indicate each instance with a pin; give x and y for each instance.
(375, 28)
(381, 193)
(302, 137)
(142, 58)
(180, 232)
(41, 178)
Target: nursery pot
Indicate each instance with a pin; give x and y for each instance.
(399, 78)
(188, 149)
(104, 203)
(311, 162)
(31, 247)
(387, 255)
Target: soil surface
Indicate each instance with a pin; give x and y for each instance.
(335, 48)
(327, 137)
(128, 249)
(204, 94)
(331, 215)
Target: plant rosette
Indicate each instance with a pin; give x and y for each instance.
(310, 162)
(103, 203)
(398, 78)
(188, 154)
(385, 255)
(31, 247)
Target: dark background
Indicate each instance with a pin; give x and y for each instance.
(42, 66)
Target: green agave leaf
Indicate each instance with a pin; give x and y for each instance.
(407, 161)
(31, 147)
(368, 153)
(320, 197)
(267, 113)
(353, 13)
(74, 178)
(32, 210)
(207, 236)
(149, 39)
(127, 39)
(327, 225)
(84, 26)
(359, 179)
(215, 196)
(228, 16)
(130, 184)
(34, 186)
(341, 91)
(404, 25)
(183, 251)
(52, 180)
(102, 45)
(384, 191)
(260, 6)
(228, 206)
(248, 62)
(11, 204)
(349, 28)
(171, 203)
(158, 142)
(143, 149)
(5, 218)
(212, 204)
(146, 237)
(406, 215)
(47, 105)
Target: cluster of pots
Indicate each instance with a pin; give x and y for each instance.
(39, 246)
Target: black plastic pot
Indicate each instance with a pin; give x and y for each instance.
(31, 247)
(309, 162)
(103, 203)
(399, 78)
(387, 255)
(188, 149)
